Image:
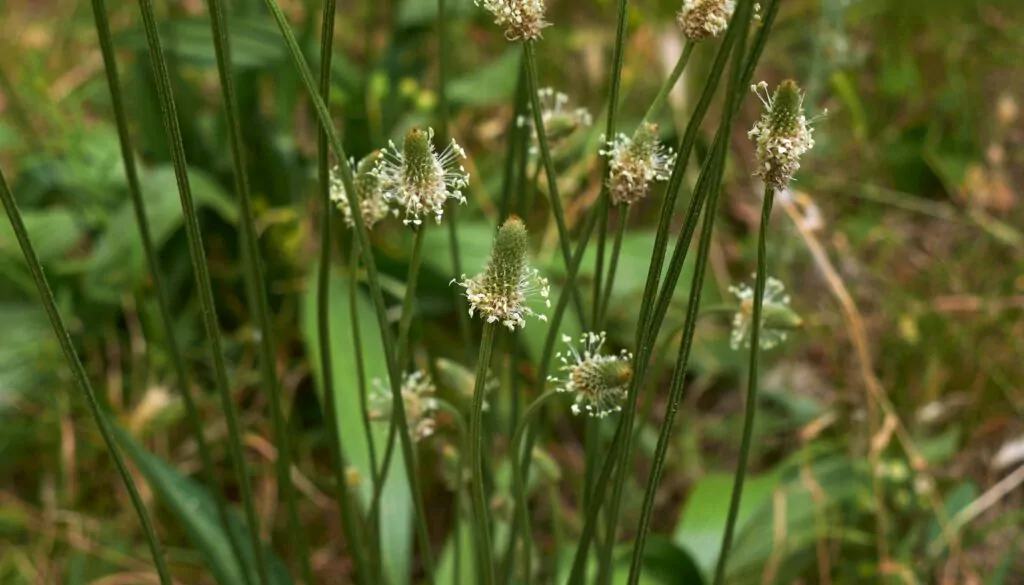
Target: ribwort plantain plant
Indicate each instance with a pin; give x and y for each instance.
(565, 350)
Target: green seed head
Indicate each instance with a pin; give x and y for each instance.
(787, 109)
(508, 257)
(421, 169)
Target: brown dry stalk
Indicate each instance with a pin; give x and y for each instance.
(858, 337)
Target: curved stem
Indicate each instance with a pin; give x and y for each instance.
(394, 375)
(81, 378)
(750, 409)
(480, 516)
(549, 168)
(518, 480)
(268, 359)
(127, 156)
(673, 78)
(172, 129)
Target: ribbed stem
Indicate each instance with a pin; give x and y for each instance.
(480, 516)
(153, 262)
(613, 265)
(394, 374)
(678, 377)
(604, 204)
(364, 408)
(666, 88)
(519, 482)
(81, 377)
(168, 111)
(514, 134)
(339, 461)
(750, 408)
(546, 355)
(408, 302)
(533, 88)
(254, 270)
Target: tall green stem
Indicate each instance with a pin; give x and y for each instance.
(346, 506)
(519, 482)
(81, 377)
(678, 375)
(613, 265)
(673, 78)
(408, 302)
(480, 516)
(750, 408)
(152, 261)
(168, 111)
(354, 202)
(268, 359)
(604, 203)
(533, 88)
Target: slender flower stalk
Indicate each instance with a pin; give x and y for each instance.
(380, 310)
(201, 270)
(81, 377)
(268, 357)
(174, 349)
(782, 137)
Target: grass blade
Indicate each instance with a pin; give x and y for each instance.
(81, 378)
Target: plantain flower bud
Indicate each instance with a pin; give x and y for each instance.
(701, 19)
(502, 292)
(634, 163)
(419, 180)
(777, 319)
(782, 135)
(420, 405)
(367, 184)
(522, 19)
(599, 381)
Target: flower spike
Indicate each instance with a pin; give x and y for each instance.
(782, 135)
(502, 293)
(599, 381)
(367, 184)
(777, 319)
(634, 163)
(419, 180)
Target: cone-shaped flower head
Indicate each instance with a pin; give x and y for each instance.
(418, 398)
(419, 180)
(634, 163)
(504, 291)
(560, 121)
(599, 381)
(367, 184)
(782, 135)
(777, 319)
(701, 19)
(522, 19)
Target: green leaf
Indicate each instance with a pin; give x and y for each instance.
(196, 510)
(54, 233)
(958, 499)
(117, 263)
(414, 13)
(491, 84)
(27, 353)
(255, 42)
(663, 564)
(446, 566)
(397, 509)
(703, 519)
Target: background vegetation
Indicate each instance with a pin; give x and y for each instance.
(902, 245)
